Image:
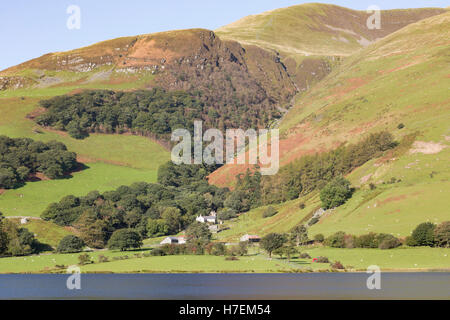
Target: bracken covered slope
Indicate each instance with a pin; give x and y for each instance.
(378, 88)
(399, 84)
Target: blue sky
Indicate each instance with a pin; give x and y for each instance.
(29, 29)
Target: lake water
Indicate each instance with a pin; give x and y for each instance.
(228, 286)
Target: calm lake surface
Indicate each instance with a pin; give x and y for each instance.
(228, 286)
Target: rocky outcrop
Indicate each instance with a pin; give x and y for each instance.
(227, 76)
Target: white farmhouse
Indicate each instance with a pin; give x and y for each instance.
(208, 219)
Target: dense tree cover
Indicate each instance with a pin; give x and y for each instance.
(247, 192)
(335, 193)
(306, 174)
(423, 235)
(173, 175)
(157, 111)
(152, 111)
(226, 214)
(198, 236)
(70, 244)
(371, 240)
(125, 239)
(16, 241)
(148, 208)
(315, 171)
(21, 158)
(429, 234)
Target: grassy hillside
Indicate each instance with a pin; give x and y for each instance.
(402, 79)
(398, 84)
(47, 232)
(34, 197)
(110, 160)
(312, 38)
(318, 29)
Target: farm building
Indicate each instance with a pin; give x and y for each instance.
(170, 240)
(208, 219)
(250, 238)
(174, 240)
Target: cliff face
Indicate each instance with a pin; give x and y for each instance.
(229, 78)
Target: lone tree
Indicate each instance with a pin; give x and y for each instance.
(70, 244)
(198, 234)
(125, 239)
(300, 235)
(272, 242)
(423, 235)
(335, 193)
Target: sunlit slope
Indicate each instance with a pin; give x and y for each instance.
(402, 79)
(318, 29)
(313, 38)
(110, 160)
(173, 60)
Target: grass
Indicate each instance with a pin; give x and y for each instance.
(401, 258)
(402, 78)
(314, 29)
(47, 262)
(289, 215)
(411, 259)
(125, 150)
(34, 197)
(207, 264)
(421, 196)
(111, 160)
(47, 232)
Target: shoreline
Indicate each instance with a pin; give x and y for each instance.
(146, 272)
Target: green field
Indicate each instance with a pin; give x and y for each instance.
(419, 259)
(47, 262)
(207, 264)
(34, 197)
(401, 258)
(111, 160)
(47, 232)
(125, 150)
(289, 215)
